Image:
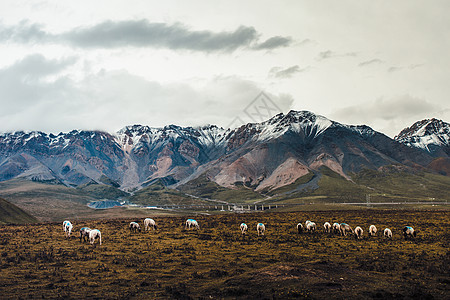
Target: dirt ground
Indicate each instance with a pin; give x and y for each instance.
(217, 262)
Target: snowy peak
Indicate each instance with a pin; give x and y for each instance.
(429, 135)
(205, 135)
(303, 122)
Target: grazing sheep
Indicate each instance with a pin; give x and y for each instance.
(64, 225)
(191, 223)
(135, 227)
(358, 233)
(299, 228)
(327, 227)
(95, 234)
(387, 233)
(409, 231)
(67, 228)
(244, 228)
(311, 227)
(372, 230)
(345, 228)
(260, 228)
(336, 228)
(307, 222)
(84, 234)
(149, 222)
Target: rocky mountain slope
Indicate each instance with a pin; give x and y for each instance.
(258, 156)
(431, 135)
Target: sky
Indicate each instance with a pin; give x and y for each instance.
(105, 64)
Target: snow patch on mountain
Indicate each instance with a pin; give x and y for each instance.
(425, 134)
(308, 123)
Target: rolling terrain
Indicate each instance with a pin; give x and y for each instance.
(216, 262)
(9, 213)
(293, 157)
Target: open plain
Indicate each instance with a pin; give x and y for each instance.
(217, 262)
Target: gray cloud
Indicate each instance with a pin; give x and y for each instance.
(388, 115)
(274, 42)
(142, 33)
(370, 62)
(109, 100)
(410, 67)
(26, 83)
(331, 54)
(279, 72)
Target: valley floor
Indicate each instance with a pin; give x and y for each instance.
(217, 262)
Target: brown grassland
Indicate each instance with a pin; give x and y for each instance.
(217, 262)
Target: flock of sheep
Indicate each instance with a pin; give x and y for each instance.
(343, 229)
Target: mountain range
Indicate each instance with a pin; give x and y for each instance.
(259, 158)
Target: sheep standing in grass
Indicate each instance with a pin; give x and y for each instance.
(84, 234)
(191, 223)
(358, 233)
(327, 227)
(64, 225)
(244, 228)
(311, 227)
(95, 234)
(260, 228)
(67, 228)
(134, 227)
(345, 228)
(408, 231)
(149, 222)
(372, 230)
(336, 228)
(299, 228)
(387, 233)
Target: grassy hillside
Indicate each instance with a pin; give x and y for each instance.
(381, 186)
(206, 188)
(56, 202)
(11, 214)
(158, 194)
(102, 191)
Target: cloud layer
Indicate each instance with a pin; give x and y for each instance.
(31, 99)
(142, 33)
(389, 115)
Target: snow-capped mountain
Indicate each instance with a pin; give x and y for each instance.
(263, 155)
(431, 135)
(277, 152)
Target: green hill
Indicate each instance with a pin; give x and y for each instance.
(9, 213)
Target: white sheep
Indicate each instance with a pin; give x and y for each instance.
(260, 228)
(358, 233)
(299, 228)
(64, 225)
(311, 227)
(345, 228)
(149, 222)
(134, 227)
(191, 223)
(387, 233)
(327, 227)
(409, 231)
(67, 228)
(84, 233)
(95, 234)
(372, 230)
(244, 228)
(336, 228)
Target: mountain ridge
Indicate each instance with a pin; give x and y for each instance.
(266, 155)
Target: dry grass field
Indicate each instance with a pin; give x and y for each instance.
(217, 262)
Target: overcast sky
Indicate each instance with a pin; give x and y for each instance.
(106, 64)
